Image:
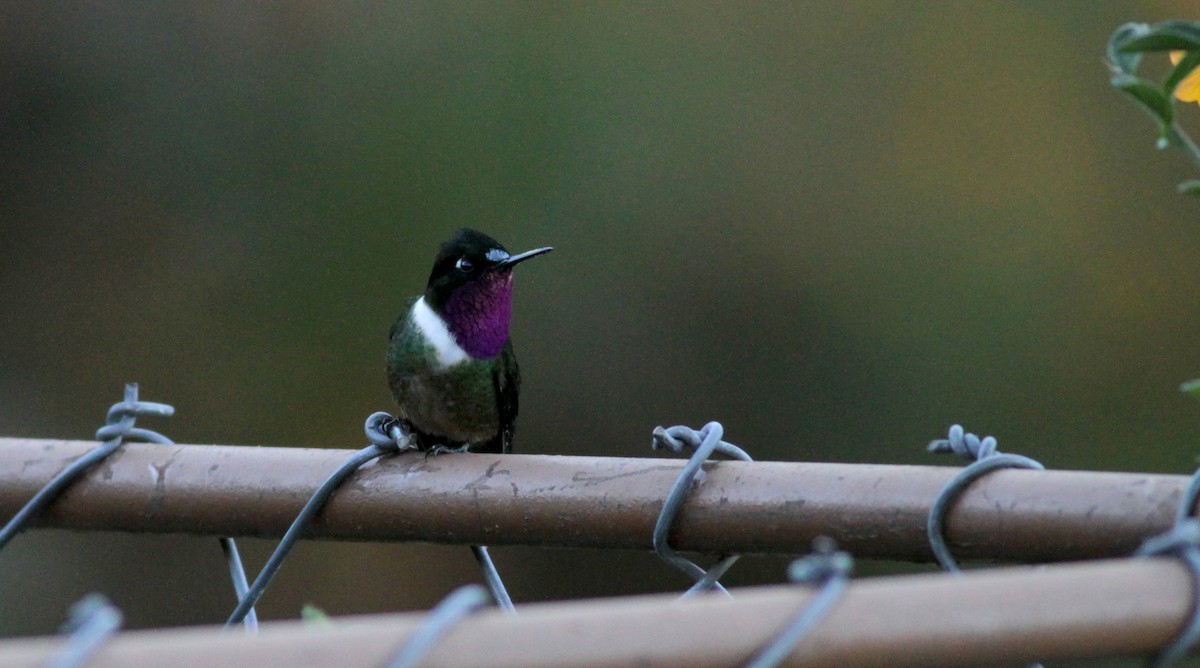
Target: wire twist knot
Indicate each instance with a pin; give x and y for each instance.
(987, 459)
(826, 569)
(964, 444)
(119, 423)
(1174, 542)
(387, 431)
(1182, 542)
(119, 427)
(823, 564)
(91, 622)
(676, 438)
(704, 442)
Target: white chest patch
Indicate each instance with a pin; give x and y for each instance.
(434, 328)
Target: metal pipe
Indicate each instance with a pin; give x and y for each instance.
(738, 507)
(996, 617)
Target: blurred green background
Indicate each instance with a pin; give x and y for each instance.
(836, 227)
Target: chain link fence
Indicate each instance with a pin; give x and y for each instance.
(1115, 605)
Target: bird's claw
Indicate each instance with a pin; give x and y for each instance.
(441, 449)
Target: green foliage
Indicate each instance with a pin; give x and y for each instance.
(1150, 96)
(1180, 71)
(1165, 36)
(1191, 387)
(1121, 61)
(1125, 49)
(1190, 187)
(314, 616)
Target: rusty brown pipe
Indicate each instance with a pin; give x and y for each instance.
(739, 507)
(996, 617)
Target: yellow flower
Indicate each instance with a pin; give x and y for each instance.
(1188, 90)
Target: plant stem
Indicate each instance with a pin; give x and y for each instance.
(1181, 139)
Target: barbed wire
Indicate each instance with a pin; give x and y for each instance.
(704, 442)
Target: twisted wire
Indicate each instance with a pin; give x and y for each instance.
(451, 610)
(986, 459)
(491, 577)
(119, 427)
(91, 622)
(704, 442)
(828, 570)
(237, 574)
(384, 429)
(386, 437)
(1182, 542)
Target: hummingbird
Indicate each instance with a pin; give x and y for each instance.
(450, 362)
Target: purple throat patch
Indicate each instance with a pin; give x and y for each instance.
(478, 314)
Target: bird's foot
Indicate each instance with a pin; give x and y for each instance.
(406, 441)
(441, 449)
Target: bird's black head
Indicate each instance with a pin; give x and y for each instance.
(470, 257)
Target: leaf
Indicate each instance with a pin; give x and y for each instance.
(1180, 71)
(314, 616)
(1125, 63)
(1190, 187)
(1149, 95)
(1165, 36)
(1191, 387)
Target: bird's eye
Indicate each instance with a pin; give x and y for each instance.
(464, 265)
